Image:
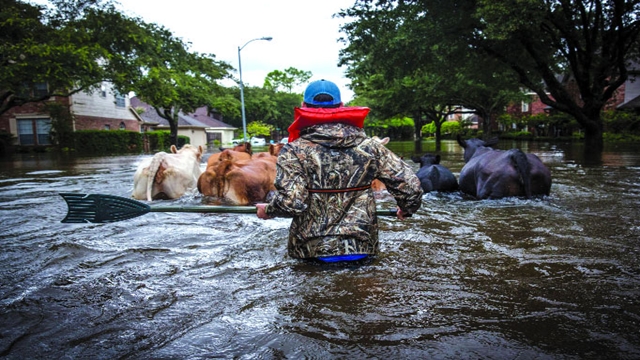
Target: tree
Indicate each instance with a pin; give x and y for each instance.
(45, 53)
(591, 42)
(256, 128)
(267, 105)
(162, 72)
(77, 44)
(286, 79)
(414, 67)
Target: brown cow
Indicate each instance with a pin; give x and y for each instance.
(241, 182)
(168, 176)
(238, 183)
(238, 152)
(272, 154)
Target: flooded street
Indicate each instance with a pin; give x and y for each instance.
(552, 278)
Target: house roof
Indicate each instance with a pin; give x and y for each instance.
(631, 104)
(198, 118)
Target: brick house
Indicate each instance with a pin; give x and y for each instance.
(626, 96)
(102, 110)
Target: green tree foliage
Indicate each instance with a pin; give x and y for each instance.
(259, 128)
(267, 105)
(77, 44)
(172, 79)
(285, 80)
(410, 66)
(45, 53)
(591, 42)
(397, 128)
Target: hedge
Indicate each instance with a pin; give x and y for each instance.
(107, 142)
(122, 141)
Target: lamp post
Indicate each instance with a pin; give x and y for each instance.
(244, 120)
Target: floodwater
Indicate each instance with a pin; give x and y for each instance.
(552, 278)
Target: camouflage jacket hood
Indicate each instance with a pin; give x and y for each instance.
(323, 180)
(334, 135)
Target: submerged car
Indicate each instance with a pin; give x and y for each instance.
(255, 141)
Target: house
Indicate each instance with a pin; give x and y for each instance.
(104, 109)
(626, 97)
(630, 98)
(201, 128)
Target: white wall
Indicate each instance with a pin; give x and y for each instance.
(197, 136)
(96, 105)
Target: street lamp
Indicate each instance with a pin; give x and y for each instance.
(244, 120)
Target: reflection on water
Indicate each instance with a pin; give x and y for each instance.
(556, 278)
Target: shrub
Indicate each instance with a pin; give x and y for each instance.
(107, 142)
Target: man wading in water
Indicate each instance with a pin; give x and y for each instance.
(323, 180)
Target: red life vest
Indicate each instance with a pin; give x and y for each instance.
(306, 116)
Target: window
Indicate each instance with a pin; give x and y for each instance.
(34, 131)
(525, 106)
(107, 127)
(122, 126)
(103, 91)
(40, 89)
(33, 90)
(120, 101)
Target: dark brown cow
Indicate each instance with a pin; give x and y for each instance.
(240, 182)
(433, 176)
(495, 174)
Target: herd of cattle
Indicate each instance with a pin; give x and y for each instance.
(239, 176)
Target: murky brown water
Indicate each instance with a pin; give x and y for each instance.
(557, 278)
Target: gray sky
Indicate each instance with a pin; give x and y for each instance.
(305, 35)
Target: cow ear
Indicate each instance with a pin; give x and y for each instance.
(415, 159)
(461, 141)
(174, 149)
(437, 159)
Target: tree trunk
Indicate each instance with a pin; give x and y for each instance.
(486, 124)
(417, 129)
(593, 130)
(173, 126)
(438, 135)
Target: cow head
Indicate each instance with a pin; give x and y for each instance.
(274, 149)
(197, 151)
(426, 160)
(470, 146)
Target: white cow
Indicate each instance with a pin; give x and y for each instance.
(168, 176)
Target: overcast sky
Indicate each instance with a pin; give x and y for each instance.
(305, 35)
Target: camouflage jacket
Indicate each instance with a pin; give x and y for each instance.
(337, 157)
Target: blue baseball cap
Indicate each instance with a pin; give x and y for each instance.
(322, 87)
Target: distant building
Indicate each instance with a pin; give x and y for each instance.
(105, 109)
(101, 110)
(201, 127)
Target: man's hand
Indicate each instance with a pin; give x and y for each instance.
(401, 214)
(261, 212)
